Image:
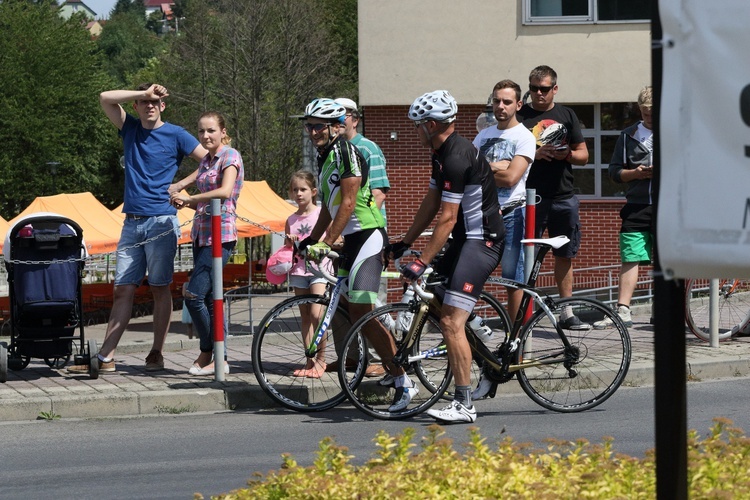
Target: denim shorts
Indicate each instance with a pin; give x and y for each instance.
(155, 257)
(512, 263)
(305, 281)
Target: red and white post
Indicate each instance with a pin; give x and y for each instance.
(218, 290)
(528, 249)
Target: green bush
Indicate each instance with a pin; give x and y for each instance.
(718, 468)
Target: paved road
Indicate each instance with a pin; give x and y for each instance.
(173, 457)
(133, 391)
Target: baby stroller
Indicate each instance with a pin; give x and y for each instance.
(45, 255)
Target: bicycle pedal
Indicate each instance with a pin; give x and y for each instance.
(493, 391)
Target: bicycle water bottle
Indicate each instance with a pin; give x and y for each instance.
(385, 319)
(480, 329)
(405, 317)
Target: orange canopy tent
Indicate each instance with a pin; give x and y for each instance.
(260, 204)
(101, 228)
(4, 226)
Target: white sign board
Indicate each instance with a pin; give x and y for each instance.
(704, 197)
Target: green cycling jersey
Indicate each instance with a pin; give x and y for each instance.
(338, 161)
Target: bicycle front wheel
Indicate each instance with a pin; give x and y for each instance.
(278, 354)
(428, 369)
(734, 305)
(585, 372)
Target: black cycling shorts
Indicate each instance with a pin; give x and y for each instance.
(467, 264)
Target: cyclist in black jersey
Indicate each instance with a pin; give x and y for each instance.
(462, 190)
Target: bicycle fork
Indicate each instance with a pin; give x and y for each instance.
(402, 357)
(312, 349)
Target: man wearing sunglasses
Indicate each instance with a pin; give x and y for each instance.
(462, 199)
(349, 210)
(379, 186)
(560, 144)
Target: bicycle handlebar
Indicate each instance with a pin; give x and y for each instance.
(418, 285)
(320, 271)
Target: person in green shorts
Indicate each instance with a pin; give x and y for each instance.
(632, 163)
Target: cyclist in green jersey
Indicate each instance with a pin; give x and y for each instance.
(349, 210)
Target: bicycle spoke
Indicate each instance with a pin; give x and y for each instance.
(733, 306)
(583, 375)
(430, 376)
(280, 364)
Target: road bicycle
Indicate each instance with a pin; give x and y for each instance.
(279, 351)
(561, 370)
(734, 307)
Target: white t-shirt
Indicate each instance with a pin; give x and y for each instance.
(498, 145)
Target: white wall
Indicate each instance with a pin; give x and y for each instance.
(409, 47)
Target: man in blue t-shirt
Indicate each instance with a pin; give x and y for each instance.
(153, 152)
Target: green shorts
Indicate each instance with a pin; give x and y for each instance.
(636, 247)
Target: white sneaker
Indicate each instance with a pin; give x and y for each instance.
(206, 371)
(483, 389)
(573, 323)
(402, 398)
(623, 312)
(454, 413)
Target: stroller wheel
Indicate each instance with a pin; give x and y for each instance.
(16, 362)
(93, 359)
(3, 362)
(57, 362)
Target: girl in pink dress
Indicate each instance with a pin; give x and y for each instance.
(303, 190)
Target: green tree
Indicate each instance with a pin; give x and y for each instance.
(127, 43)
(50, 77)
(258, 62)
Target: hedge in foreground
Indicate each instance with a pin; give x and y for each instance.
(718, 468)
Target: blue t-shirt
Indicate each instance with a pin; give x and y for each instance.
(151, 161)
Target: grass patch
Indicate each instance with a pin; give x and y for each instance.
(175, 410)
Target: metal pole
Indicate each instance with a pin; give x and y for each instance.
(528, 248)
(670, 392)
(713, 312)
(218, 289)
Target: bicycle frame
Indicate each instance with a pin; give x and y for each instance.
(312, 349)
(510, 359)
(339, 286)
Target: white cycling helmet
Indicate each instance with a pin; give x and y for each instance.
(438, 105)
(325, 109)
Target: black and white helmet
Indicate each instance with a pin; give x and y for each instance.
(438, 105)
(325, 109)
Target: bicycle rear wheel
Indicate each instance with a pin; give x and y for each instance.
(278, 350)
(734, 304)
(431, 375)
(582, 375)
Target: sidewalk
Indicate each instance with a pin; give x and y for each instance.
(133, 391)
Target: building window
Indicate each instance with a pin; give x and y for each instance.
(601, 125)
(585, 11)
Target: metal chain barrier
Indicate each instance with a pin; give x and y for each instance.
(205, 212)
(89, 258)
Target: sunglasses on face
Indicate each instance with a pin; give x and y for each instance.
(419, 123)
(537, 88)
(316, 127)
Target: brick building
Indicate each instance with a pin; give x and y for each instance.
(601, 55)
